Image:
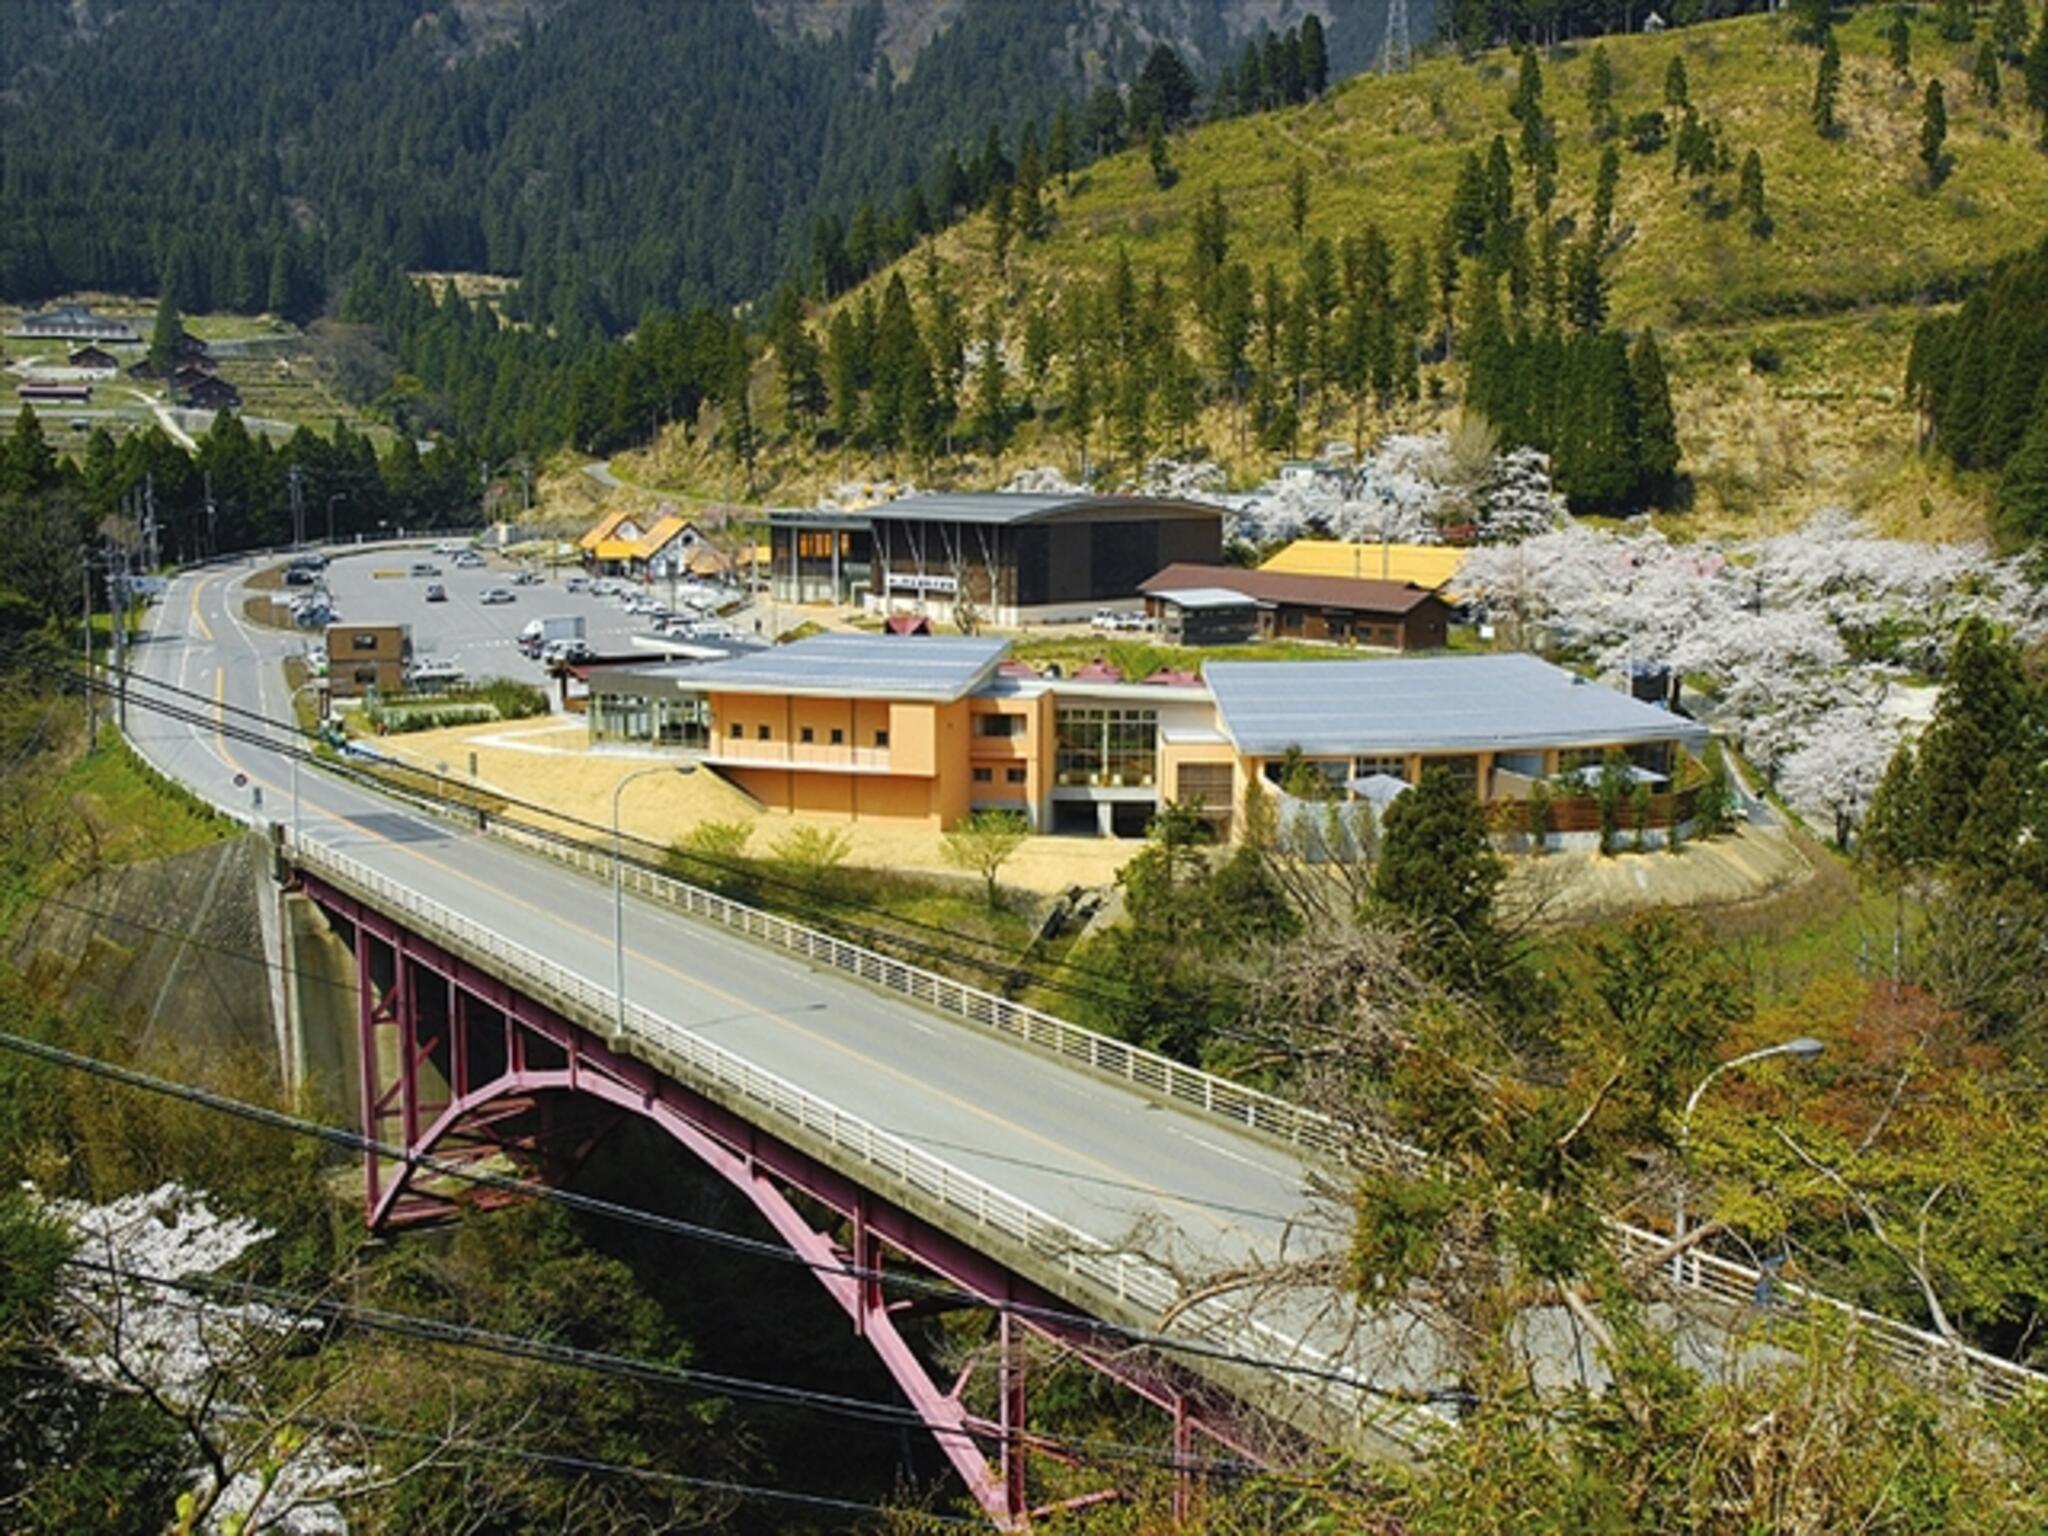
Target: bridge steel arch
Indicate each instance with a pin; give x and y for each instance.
(455, 1065)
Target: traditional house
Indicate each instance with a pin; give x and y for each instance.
(1381, 613)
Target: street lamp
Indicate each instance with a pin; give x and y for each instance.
(1805, 1048)
(619, 882)
(294, 750)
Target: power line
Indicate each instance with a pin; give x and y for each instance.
(355, 1141)
(526, 1347)
(303, 977)
(1002, 963)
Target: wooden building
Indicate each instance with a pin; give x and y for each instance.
(1391, 615)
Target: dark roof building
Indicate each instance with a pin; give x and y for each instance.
(96, 358)
(1383, 613)
(1007, 559)
(74, 322)
(209, 393)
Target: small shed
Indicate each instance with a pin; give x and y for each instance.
(1203, 615)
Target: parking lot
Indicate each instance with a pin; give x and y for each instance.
(480, 638)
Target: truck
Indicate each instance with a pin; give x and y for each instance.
(538, 632)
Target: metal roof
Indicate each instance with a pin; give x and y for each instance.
(1204, 597)
(1270, 588)
(859, 666)
(1443, 703)
(1002, 507)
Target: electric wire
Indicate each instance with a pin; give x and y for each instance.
(529, 1455)
(1108, 1332)
(408, 1325)
(707, 861)
(334, 983)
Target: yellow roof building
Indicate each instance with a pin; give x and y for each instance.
(1431, 566)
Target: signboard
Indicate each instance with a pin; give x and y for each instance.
(911, 581)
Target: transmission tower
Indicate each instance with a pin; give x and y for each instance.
(1395, 52)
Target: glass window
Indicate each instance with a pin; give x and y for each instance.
(806, 735)
(1463, 768)
(760, 733)
(1394, 767)
(1013, 775)
(999, 725)
(738, 730)
(1106, 747)
(838, 737)
(983, 776)
(881, 738)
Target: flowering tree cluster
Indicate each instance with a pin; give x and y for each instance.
(1798, 639)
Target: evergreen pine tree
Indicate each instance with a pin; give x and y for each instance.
(169, 328)
(1029, 203)
(1437, 870)
(1827, 86)
(1899, 35)
(2023, 487)
(1467, 221)
(1983, 703)
(1656, 424)
(1315, 55)
(1297, 199)
(1954, 21)
(1001, 225)
(1604, 187)
(1600, 93)
(1934, 133)
(1813, 20)
(1894, 832)
(1984, 74)
(1751, 196)
(1163, 173)
(1585, 287)
(1677, 90)
(1527, 101)
(1059, 145)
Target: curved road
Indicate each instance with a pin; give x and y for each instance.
(1082, 1149)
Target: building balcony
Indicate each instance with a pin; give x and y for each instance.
(799, 754)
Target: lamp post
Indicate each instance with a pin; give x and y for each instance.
(1805, 1048)
(619, 883)
(293, 753)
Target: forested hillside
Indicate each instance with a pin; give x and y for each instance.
(1343, 267)
(613, 155)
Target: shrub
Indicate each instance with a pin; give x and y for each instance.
(814, 855)
(1539, 816)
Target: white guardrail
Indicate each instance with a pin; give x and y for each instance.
(1912, 1350)
(1136, 1281)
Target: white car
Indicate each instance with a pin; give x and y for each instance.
(433, 671)
(494, 595)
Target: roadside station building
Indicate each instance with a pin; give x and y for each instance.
(927, 730)
(1393, 616)
(1013, 559)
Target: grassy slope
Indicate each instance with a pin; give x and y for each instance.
(1857, 237)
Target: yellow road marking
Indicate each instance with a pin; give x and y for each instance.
(205, 629)
(745, 1005)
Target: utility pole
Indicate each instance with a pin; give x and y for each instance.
(298, 509)
(212, 541)
(92, 711)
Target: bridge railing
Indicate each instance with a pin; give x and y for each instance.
(1132, 1279)
(1724, 1281)
(1161, 1076)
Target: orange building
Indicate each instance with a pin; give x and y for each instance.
(928, 729)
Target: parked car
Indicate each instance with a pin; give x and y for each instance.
(432, 671)
(436, 593)
(469, 560)
(526, 579)
(425, 568)
(495, 595)
(561, 652)
(576, 584)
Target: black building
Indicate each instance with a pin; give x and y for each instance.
(1010, 559)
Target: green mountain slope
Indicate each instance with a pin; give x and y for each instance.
(1787, 352)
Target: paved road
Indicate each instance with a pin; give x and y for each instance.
(1078, 1148)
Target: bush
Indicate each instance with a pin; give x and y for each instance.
(1539, 817)
(1613, 789)
(815, 855)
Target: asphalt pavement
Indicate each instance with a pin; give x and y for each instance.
(1081, 1149)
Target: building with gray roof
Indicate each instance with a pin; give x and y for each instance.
(1008, 559)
